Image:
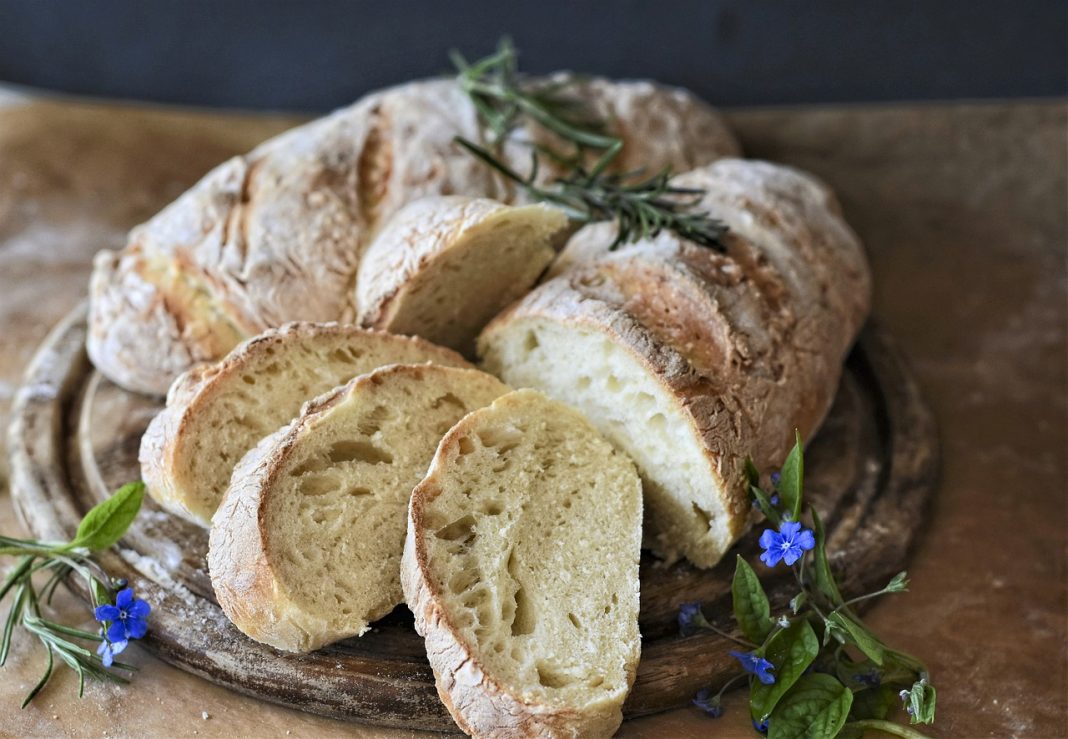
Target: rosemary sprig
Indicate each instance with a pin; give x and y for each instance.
(99, 529)
(641, 206)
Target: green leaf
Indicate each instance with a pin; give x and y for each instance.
(822, 576)
(815, 708)
(791, 481)
(887, 727)
(798, 601)
(751, 608)
(873, 703)
(791, 651)
(764, 503)
(107, 521)
(921, 702)
(899, 583)
(859, 636)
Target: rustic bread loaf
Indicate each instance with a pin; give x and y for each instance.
(306, 546)
(444, 266)
(521, 567)
(693, 360)
(216, 413)
(277, 235)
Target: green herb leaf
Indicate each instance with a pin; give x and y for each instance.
(791, 650)
(815, 708)
(921, 702)
(860, 636)
(107, 521)
(873, 703)
(792, 479)
(751, 608)
(798, 602)
(857, 728)
(822, 576)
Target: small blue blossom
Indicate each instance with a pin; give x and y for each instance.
(761, 726)
(690, 618)
(775, 478)
(124, 621)
(707, 702)
(787, 544)
(872, 678)
(756, 665)
(107, 650)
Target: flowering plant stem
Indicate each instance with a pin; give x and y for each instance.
(101, 528)
(815, 670)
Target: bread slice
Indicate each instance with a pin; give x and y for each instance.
(216, 413)
(444, 266)
(680, 429)
(306, 546)
(521, 567)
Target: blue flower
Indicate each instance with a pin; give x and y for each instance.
(872, 678)
(707, 702)
(690, 618)
(761, 726)
(107, 650)
(755, 664)
(127, 618)
(788, 543)
(775, 478)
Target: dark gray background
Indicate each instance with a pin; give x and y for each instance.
(316, 55)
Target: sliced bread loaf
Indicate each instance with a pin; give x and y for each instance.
(521, 567)
(306, 546)
(694, 360)
(216, 413)
(444, 266)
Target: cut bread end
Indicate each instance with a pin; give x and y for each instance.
(305, 549)
(444, 266)
(521, 567)
(691, 494)
(216, 414)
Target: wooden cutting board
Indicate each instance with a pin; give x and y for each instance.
(74, 437)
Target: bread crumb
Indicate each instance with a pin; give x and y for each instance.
(205, 715)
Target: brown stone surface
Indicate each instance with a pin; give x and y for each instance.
(963, 210)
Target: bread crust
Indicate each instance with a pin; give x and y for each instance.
(277, 235)
(751, 341)
(162, 444)
(479, 704)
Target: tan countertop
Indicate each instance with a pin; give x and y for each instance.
(963, 210)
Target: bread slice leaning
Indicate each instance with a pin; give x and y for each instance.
(216, 413)
(521, 567)
(306, 546)
(444, 266)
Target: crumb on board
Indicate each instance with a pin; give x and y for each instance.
(205, 715)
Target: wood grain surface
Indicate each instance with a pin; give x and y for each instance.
(962, 210)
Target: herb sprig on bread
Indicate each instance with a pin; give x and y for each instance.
(641, 205)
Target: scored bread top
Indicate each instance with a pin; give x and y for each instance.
(444, 266)
(277, 234)
(521, 567)
(216, 413)
(305, 548)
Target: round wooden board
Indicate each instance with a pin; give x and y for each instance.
(74, 438)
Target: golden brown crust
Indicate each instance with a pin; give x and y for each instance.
(277, 235)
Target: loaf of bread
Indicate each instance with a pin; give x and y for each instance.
(692, 360)
(216, 413)
(521, 567)
(277, 235)
(444, 266)
(306, 546)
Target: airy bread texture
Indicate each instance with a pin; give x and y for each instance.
(277, 235)
(216, 413)
(693, 360)
(306, 546)
(444, 266)
(521, 567)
